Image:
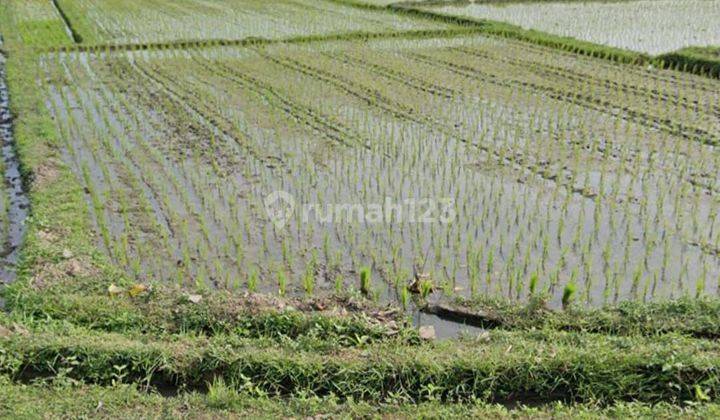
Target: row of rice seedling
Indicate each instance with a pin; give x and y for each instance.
(650, 26)
(166, 224)
(159, 21)
(581, 190)
(590, 183)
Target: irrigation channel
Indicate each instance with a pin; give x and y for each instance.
(16, 204)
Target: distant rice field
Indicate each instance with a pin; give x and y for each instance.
(124, 21)
(650, 26)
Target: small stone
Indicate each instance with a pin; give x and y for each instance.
(113, 290)
(46, 235)
(484, 336)
(19, 329)
(74, 269)
(427, 332)
(4, 332)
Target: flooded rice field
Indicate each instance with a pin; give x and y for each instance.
(471, 166)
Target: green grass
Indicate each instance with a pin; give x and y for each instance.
(42, 33)
(168, 311)
(85, 32)
(25, 30)
(504, 366)
(699, 60)
(66, 400)
(69, 25)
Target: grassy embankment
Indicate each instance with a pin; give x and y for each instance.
(63, 399)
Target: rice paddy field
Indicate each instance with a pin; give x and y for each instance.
(159, 21)
(555, 169)
(649, 26)
(363, 209)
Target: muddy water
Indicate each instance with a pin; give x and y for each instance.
(444, 328)
(18, 203)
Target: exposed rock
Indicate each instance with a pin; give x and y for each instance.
(4, 332)
(195, 298)
(427, 332)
